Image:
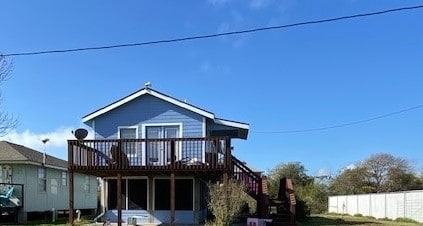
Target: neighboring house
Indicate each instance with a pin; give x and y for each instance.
(156, 155)
(38, 183)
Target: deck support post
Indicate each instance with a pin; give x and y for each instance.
(172, 199)
(71, 197)
(172, 183)
(119, 198)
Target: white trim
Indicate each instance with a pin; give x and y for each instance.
(106, 188)
(136, 137)
(203, 154)
(153, 93)
(161, 124)
(144, 133)
(93, 126)
(176, 178)
(232, 123)
(128, 127)
(35, 164)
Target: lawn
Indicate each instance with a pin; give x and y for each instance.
(328, 220)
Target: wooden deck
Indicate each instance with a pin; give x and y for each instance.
(149, 156)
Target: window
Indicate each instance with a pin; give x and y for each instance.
(127, 133)
(87, 184)
(130, 148)
(64, 179)
(183, 194)
(42, 180)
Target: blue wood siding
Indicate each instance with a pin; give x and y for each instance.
(143, 110)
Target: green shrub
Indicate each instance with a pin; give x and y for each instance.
(385, 219)
(358, 215)
(226, 202)
(405, 220)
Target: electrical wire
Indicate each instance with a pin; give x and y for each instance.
(214, 35)
(343, 124)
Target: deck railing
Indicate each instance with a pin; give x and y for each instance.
(171, 153)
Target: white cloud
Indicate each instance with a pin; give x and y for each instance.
(323, 172)
(349, 167)
(259, 4)
(56, 146)
(218, 3)
(205, 66)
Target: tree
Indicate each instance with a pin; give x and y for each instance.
(379, 173)
(311, 196)
(293, 170)
(7, 122)
(350, 181)
(380, 167)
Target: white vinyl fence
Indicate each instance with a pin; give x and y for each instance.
(407, 204)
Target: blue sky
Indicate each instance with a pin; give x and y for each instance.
(296, 78)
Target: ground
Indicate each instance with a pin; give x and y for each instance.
(329, 220)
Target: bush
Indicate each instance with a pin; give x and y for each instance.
(226, 202)
(358, 215)
(405, 220)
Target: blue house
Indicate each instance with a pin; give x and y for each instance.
(155, 155)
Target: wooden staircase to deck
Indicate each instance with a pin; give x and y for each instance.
(258, 189)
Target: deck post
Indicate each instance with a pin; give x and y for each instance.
(119, 198)
(71, 197)
(260, 206)
(71, 185)
(172, 198)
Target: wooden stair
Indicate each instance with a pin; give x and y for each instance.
(257, 187)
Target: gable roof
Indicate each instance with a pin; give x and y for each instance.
(11, 152)
(172, 100)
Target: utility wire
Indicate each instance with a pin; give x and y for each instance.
(214, 35)
(343, 124)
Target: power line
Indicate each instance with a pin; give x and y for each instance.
(214, 35)
(343, 124)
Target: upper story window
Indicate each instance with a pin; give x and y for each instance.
(42, 179)
(131, 132)
(128, 133)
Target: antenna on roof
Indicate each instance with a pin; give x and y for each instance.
(147, 85)
(44, 153)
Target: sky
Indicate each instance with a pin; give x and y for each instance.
(296, 78)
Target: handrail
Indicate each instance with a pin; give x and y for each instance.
(162, 154)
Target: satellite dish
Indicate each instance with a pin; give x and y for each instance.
(80, 133)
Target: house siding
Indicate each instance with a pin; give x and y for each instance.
(147, 110)
(36, 201)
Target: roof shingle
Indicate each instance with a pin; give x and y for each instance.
(15, 152)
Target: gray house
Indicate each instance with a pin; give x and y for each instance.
(155, 155)
(33, 183)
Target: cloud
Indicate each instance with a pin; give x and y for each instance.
(218, 3)
(205, 66)
(324, 172)
(56, 146)
(259, 4)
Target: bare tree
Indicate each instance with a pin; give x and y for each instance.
(380, 169)
(7, 121)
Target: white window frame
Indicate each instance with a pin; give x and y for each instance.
(44, 179)
(87, 186)
(136, 137)
(144, 132)
(106, 189)
(66, 179)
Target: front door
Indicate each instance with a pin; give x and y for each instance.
(158, 149)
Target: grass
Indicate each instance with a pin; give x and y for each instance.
(331, 219)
